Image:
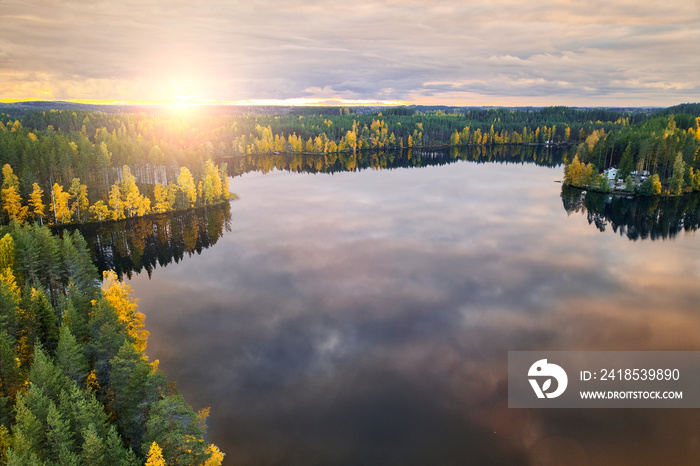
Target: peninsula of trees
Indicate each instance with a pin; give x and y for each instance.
(52, 174)
(76, 387)
(660, 155)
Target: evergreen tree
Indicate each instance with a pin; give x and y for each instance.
(77, 265)
(47, 319)
(82, 409)
(11, 379)
(676, 184)
(70, 358)
(651, 186)
(29, 431)
(45, 376)
(93, 451)
(116, 453)
(128, 386)
(59, 438)
(175, 427)
(626, 163)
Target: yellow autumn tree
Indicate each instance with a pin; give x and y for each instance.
(36, 201)
(60, 204)
(351, 140)
(212, 186)
(80, 202)
(332, 147)
(118, 294)
(216, 458)
(9, 178)
(160, 193)
(91, 382)
(7, 263)
(11, 199)
(155, 456)
(12, 204)
(144, 206)
(295, 143)
(100, 210)
(186, 184)
(578, 173)
(135, 204)
(116, 203)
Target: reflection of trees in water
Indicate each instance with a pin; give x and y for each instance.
(638, 217)
(143, 243)
(341, 162)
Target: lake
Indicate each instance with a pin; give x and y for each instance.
(340, 317)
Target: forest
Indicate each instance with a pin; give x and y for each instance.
(76, 387)
(658, 155)
(58, 176)
(62, 166)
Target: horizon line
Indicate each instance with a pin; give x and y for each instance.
(299, 102)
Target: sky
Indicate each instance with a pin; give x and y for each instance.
(432, 52)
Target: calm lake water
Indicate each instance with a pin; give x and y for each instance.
(364, 317)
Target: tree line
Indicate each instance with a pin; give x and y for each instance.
(46, 190)
(84, 157)
(407, 128)
(76, 387)
(656, 156)
(389, 159)
(82, 144)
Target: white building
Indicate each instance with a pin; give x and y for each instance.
(611, 173)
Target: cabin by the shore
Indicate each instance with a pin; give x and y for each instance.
(637, 176)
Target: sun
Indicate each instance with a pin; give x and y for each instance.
(182, 96)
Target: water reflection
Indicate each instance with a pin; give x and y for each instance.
(139, 244)
(334, 163)
(638, 217)
(365, 318)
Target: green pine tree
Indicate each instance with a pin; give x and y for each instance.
(70, 358)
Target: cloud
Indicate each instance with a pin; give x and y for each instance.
(361, 50)
(376, 302)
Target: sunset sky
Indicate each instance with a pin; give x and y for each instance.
(503, 52)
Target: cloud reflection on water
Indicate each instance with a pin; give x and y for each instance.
(365, 318)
